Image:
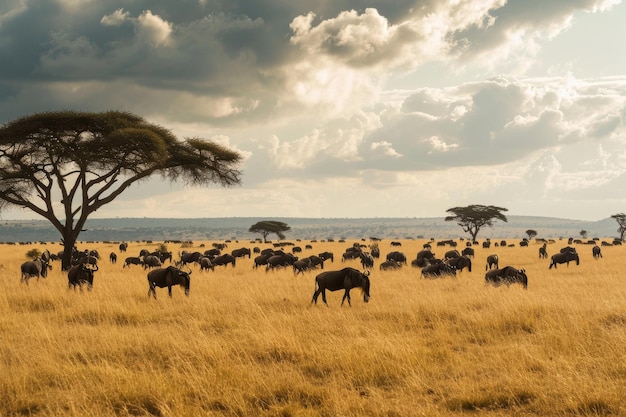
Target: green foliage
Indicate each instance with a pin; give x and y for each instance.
(267, 227)
(583, 234)
(531, 233)
(473, 217)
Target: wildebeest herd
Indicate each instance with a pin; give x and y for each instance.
(178, 272)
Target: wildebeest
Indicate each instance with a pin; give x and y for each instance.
(507, 275)
(460, 263)
(492, 261)
(543, 253)
(346, 279)
(301, 265)
(206, 264)
(189, 257)
(132, 260)
(113, 257)
(437, 270)
(36, 268)
(167, 277)
(451, 254)
(81, 274)
(597, 253)
(224, 259)
(367, 260)
(397, 256)
(151, 261)
(564, 257)
(327, 255)
(390, 265)
(280, 259)
(241, 252)
(468, 252)
(123, 246)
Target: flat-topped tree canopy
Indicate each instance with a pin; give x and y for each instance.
(89, 159)
(473, 217)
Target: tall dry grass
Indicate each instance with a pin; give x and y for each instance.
(248, 343)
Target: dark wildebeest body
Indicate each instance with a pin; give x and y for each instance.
(206, 264)
(437, 270)
(597, 254)
(390, 265)
(451, 254)
(468, 252)
(346, 279)
(113, 257)
(367, 260)
(189, 257)
(543, 252)
(224, 259)
(492, 261)
(282, 259)
(507, 275)
(81, 274)
(151, 261)
(564, 257)
(241, 252)
(168, 277)
(327, 255)
(301, 265)
(38, 267)
(460, 263)
(315, 261)
(132, 260)
(397, 256)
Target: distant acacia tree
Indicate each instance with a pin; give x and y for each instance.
(64, 166)
(621, 221)
(531, 233)
(583, 234)
(473, 217)
(268, 227)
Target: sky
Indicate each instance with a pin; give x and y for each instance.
(345, 108)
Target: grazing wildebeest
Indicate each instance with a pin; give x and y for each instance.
(123, 246)
(113, 257)
(167, 277)
(460, 263)
(132, 260)
(390, 265)
(189, 257)
(261, 259)
(468, 252)
(451, 254)
(543, 252)
(205, 263)
(397, 256)
(315, 261)
(280, 259)
(327, 255)
(507, 275)
(597, 253)
(35, 268)
(346, 279)
(437, 270)
(241, 252)
(81, 274)
(224, 259)
(301, 265)
(351, 254)
(564, 257)
(492, 261)
(367, 260)
(151, 261)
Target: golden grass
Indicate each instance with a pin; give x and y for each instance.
(248, 343)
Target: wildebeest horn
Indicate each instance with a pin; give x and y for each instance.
(366, 273)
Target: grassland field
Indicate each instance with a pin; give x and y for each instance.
(247, 342)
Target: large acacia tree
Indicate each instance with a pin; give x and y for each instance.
(267, 227)
(64, 166)
(473, 217)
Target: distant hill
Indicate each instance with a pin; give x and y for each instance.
(236, 228)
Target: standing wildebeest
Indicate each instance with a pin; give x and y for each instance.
(492, 261)
(346, 279)
(597, 254)
(151, 261)
(167, 277)
(301, 265)
(132, 260)
(241, 252)
(205, 263)
(507, 275)
(543, 252)
(451, 254)
(224, 259)
(397, 256)
(113, 257)
(460, 263)
(35, 268)
(123, 246)
(367, 260)
(564, 257)
(189, 257)
(390, 265)
(327, 255)
(81, 274)
(468, 252)
(437, 270)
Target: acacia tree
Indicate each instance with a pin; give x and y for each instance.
(267, 227)
(473, 217)
(86, 160)
(621, 221)
(531, 233)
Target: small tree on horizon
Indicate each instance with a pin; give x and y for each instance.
(583, 234)
(473, 217)
(267, 227)
(64, 166)
(531, 233)
(621, 221)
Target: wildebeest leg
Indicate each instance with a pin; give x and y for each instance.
(346, 296)
(152, 291)
(324, 296)
(169, 290)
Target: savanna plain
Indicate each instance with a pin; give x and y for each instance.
(248, 342)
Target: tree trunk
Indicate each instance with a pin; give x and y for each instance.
(69, 242)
